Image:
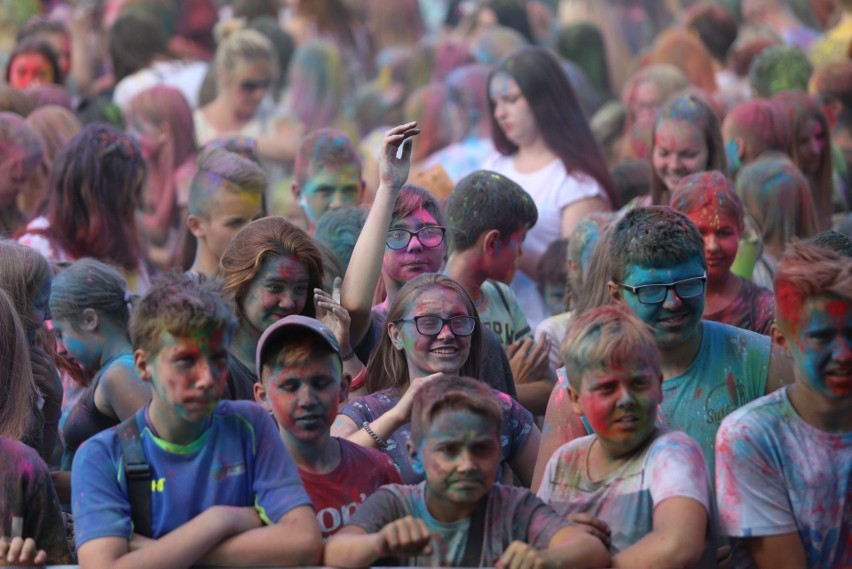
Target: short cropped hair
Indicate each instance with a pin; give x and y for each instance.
(805, 271)
(339, 229)
(221, 171)
(486, 200)
(711, 191)
(324, 147)
(182, 306)
(453, 393)
(833, 240)
(779, 68)
(656, 236)
(604, 338)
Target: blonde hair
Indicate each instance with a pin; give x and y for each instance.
(242, 45)
(222, 170)
(605, 337)
(17, 387)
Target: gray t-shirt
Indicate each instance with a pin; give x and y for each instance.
(511, 514)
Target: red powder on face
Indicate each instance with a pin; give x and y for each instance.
(789, 306)
(837, 308)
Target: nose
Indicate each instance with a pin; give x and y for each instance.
(710, 242)
(305, 397)
(626, 399)
(842, 350)
(204, 375)
(287, 301)
(414, 245)
(446, 332)
(675, 162)
(336, 200)
(672, 301)
(466, 462)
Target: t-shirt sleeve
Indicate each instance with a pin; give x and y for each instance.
(277, 486)
(358, 411)
(99, 502)
(43, 519)
(750, 490)
(377, 511)
(517, 424)
(676, 469)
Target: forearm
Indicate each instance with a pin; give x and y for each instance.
(534, 396)
(577, 549)
(270, 545)
(384, 427)
(659, 551)
(351, 550)
(356, 292)
(281, 148)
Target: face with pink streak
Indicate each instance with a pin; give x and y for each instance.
(680, 149)
(402, 265)
(279, 289)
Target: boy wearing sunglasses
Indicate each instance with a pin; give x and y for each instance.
(488, 216)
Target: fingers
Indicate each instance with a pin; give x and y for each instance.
(335, 289)
(15, 548)
(28, 552)
(20, 551)
(520, 555)
(40, 558)
(407, 536)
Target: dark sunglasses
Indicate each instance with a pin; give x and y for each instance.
(252, 85)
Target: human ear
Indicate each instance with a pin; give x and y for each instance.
(196, 226)
(345, 383)
(491, 242)
(574, 397)
(414, 457)
(140, 360)
(395, 333)
(614, 291)
(90, 320)
(740, 142)
(261, 397)
(778, 338)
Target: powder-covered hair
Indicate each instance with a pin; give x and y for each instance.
(778, 198)
(596, 275)
(181, 306)
(667, 79)
(324, 148)
(220, 171)
(164, 104)
(583, 44)
(388, 367)
(55, 126)
(716, 28)
(23, 272)
(316, 84)
(18, 390)
(605, 338)
(806, 271)
(834, 82)
(711, 192)
(656, 236)
(260, 240)
(761, 124)
(243, 45)
(339, 230)
(453, 393)
(683, 50)
(94, 188)
(692, 110)
(89, 283)
(15, 131)
(779, 68)
(467, 90)
(833, 240)
(485, 200)
(429, 105)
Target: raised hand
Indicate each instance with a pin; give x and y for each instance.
(393, 163)
(330, 313)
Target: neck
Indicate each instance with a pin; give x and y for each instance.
(319, 456)
(819, 411)
(677, 360)
(533, 155)
(205, 263)
(244, 344)
(443, 510)
(172, 428)
(466, 268)
(116, 345)
(606, 459)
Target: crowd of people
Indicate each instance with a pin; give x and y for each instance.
(514, 283)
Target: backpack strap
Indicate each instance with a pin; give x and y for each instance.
(475, 534)
(138, 474)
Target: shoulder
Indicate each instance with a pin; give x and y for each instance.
(743, 342)
(24, 460)
(672, 444)
(761, 415)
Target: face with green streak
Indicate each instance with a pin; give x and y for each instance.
(188, 373)
(620, 403)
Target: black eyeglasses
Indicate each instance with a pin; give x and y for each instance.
(656, 293)
(429, 236)
(432, 325)
(252, 85)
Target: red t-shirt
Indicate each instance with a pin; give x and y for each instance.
(339, 493)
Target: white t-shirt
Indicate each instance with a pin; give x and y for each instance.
(185, 77)
(552, 189)
(777, 474)
(671, 466)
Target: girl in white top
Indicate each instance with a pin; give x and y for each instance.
(544, 143)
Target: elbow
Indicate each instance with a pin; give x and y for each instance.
(309, 552)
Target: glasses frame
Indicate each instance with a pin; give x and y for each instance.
(668, 286)
(417, 233)
(444, 322)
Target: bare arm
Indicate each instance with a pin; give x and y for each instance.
(780, 370)
(180, 548)
(523, 464)
(573, 547)
(777, 551)
(352, 546)
(561, 425)
(284, 144)
(677, 540)
(356, 294)
(294, 540)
